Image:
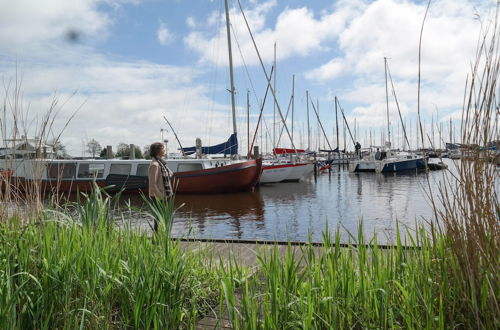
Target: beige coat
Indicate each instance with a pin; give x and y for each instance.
(156, 186)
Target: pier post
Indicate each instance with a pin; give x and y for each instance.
(198, 147)
(256, 154)
(109, 152)
(132, 152)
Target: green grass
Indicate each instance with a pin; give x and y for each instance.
(60, 273)
(363, 287)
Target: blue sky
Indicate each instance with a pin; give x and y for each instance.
(133, 61)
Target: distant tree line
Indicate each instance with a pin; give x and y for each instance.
(96, 150)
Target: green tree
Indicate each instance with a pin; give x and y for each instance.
(59, 149)
(94, 147)
(146, 152)
(123, 151)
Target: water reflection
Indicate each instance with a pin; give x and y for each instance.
(299, 211)
(219, 214)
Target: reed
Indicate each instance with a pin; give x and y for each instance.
(470, 217)
(71, 271)
(17, 124)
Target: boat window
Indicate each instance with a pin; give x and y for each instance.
(142, 170)
(61, 170)
(91, 170)
(123, 169)
(189, 167)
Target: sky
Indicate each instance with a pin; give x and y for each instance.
(111, 70)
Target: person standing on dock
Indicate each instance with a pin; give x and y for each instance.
(358, 149)
(160, 176)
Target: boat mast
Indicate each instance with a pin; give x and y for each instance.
(387, 102)
(293, 99)
(274, 104)
(337, 125)
(248, 121)
(231, 78)
(308, 126)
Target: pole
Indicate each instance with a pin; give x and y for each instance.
(248, 120)
(308, 126)
(175, 134)
(293, 99)
(387, 102)
(231, 75)
(274, 104)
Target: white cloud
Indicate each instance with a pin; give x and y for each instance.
(328, 71)
(391, 28)
(26, 24)
(296, 31)
(164, 35)
(191, 22)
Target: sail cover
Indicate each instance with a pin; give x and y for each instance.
(230, 147)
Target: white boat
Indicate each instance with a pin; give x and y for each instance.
(273, 172)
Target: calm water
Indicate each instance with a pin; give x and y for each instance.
(293, 211)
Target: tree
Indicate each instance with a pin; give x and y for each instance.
(146, 152)
(59, 149)
(123, 151)
(94, 147)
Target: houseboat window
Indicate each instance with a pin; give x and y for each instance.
(91, 170)
(142, 169)
(189, 167)
(123, 169)
(61, 170)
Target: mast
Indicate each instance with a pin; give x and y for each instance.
(231, 77)
(274, 104)
(248, 120)
(293, 99)
(308, 127)
(337, 124)
(387, 102)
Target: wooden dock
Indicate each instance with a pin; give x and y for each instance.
(244, 252)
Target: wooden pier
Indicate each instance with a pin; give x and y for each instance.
(244, 252)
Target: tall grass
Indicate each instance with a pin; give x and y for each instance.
(19, 123)
(470, 217)
(65, 273)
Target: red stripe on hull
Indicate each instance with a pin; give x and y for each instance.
(270, 167)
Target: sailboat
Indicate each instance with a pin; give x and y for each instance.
(399, 161)
(386, 160)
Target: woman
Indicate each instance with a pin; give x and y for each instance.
(159, 175)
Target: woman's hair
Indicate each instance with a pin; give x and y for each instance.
(155, 149)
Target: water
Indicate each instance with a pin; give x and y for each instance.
(300, 211)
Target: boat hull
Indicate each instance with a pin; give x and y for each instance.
(299, 171)
(230, 178)
(362, 166)
(275, 173)
(401, 165)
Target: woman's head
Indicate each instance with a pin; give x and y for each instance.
(156, 149)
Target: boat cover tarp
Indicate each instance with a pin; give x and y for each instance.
(334, 150)
(230, 147)
(285, 151)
